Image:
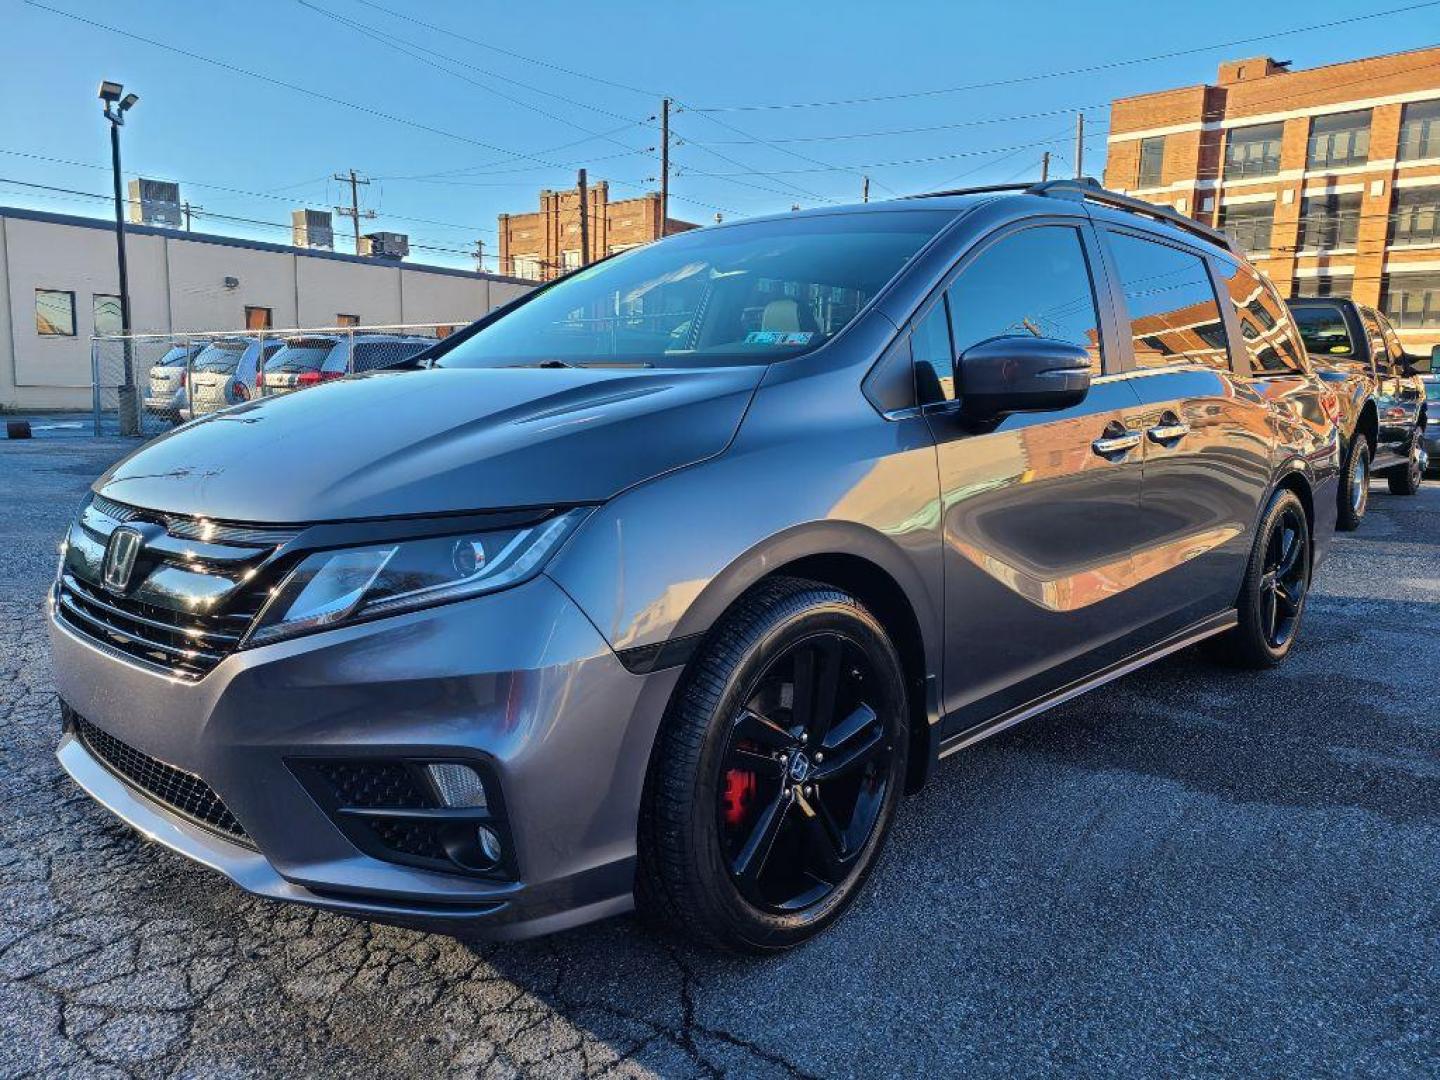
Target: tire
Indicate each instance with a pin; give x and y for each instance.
(1354, 494)
(704, 826)
(1407, 481)
(1259, 641)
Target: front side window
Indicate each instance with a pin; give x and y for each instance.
(106, 311)
(1268, 334)
(1152, 162)
(1339, 140)
(54, 313)
(1174, 316)
(1412, 301)
(1420, 131)
(1253, 151)
(1031, 283)
(1249, 224)
(933, 356)
(1417, 216)
(743, 294)
(1328, 222)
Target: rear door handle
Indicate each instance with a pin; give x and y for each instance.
(1172, 430)
(1111, 445)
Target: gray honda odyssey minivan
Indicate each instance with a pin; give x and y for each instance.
(663, 585)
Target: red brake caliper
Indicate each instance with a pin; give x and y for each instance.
(739, 791)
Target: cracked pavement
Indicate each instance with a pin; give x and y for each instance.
(1191, 871)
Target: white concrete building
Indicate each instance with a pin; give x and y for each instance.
(59, 286)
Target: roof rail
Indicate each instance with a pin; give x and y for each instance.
(1089, 188)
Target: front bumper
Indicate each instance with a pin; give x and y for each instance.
(519, 680)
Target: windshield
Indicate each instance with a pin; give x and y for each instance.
(1323, 329)
(740, 294)
(300, 356)
(221, 356)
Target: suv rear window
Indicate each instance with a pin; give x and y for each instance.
(373, 355)
(220, 356)
(301, 355)
(1324, 331)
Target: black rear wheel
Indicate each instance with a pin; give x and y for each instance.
(1407, 481)
(1277, 583)
(777, 771)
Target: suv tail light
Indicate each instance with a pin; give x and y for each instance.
(242, 392)
(311, 378)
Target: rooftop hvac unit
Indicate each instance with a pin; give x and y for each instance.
(385, 245)
(155, 202)
(312, 229)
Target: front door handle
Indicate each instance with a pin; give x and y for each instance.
(1169, 430)
(1111, 445)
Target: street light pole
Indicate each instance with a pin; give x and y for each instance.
(115, 109)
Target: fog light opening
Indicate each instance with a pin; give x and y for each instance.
(458, 785)
(489, 843)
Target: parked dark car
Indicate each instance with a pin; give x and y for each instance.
(317, 358)
(662, 585)
(1383, 408)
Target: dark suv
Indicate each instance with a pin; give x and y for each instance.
(665, 583)
(1383, 410)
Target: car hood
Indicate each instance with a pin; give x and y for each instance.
(437, 441)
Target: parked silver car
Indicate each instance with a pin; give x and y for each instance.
(165, 393)
(223, 374)
(316, 358)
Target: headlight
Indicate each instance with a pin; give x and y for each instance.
(333, 587)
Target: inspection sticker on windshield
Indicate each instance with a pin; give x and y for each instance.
(779, 337)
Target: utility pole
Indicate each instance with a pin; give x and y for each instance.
(1045, 166)
(1079, 146)
(187, 210)
(664, 167)
(480, 255)
(864, 189)
(584, 220)
(353, 211)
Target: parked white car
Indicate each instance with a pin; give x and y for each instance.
(223, 374)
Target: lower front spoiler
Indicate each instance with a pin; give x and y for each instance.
(511, 916)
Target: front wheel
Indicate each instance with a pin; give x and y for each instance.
(1407, 481)
(1354, 484)
(776, 773)
(1277, 582)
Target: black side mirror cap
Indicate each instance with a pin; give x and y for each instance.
(1020, 374)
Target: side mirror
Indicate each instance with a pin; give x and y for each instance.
(1020, 374)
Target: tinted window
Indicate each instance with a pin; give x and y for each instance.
(1378, 352)
(300, 356)
(1267, 332)
(738, 294)
(1033, 283)
(1324, 331)
(934, 357)
(220, 356)
(1174, 317)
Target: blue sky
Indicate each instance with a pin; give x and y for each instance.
(470, 131)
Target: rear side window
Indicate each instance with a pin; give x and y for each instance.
(1174, 316)
(1268, 333)
(1031, 283)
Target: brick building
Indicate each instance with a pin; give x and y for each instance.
(1329, 177)
(544, 244)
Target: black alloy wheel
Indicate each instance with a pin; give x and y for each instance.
(776, 772)
(1285, 577)
(1354, 485)
(1408, 480)
(804, 775)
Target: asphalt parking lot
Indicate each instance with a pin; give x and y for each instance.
(1190, 872)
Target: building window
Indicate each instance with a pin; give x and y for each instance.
(1249, 225)
(1412, 301)
(525, 266)
(1328, 222)
(1152, 161)
(258, 318)
(347, 320)
(1417, 216)
(106, 310)
(54, 313)
(570, 259)
(442, 332)
(1329, 285)
(1174, 315)
(1420, 131)
(1253, 151)
(1339, 140)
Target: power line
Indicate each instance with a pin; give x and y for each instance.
(1087, 69)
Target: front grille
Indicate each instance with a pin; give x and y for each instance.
(185, 644)
(182, 792)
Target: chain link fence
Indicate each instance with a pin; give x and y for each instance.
(145, 384)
